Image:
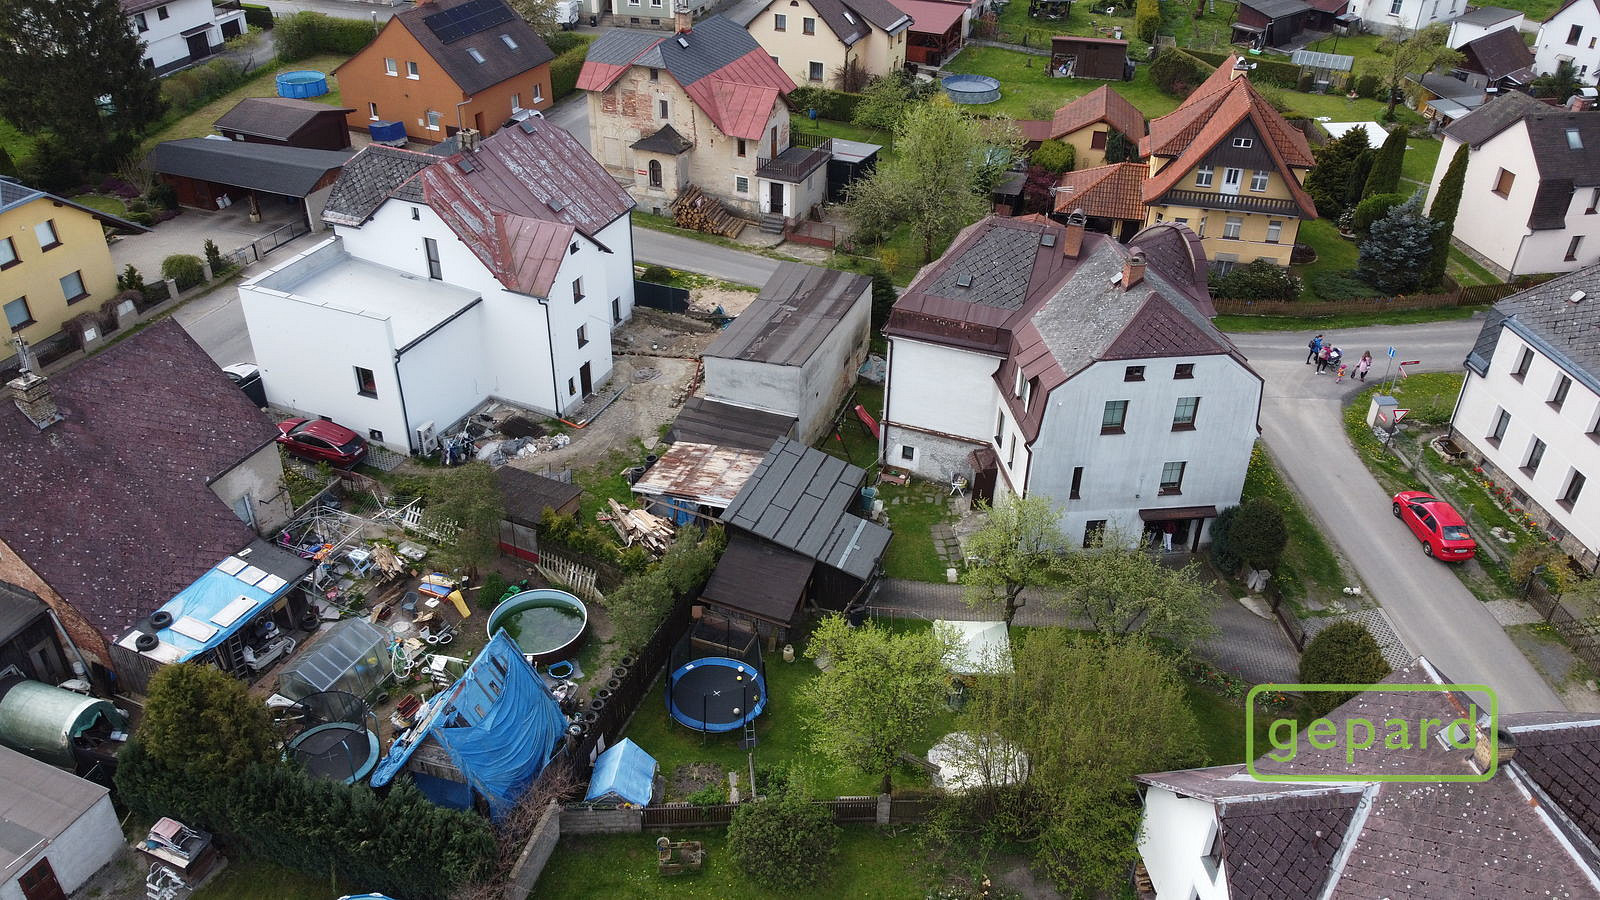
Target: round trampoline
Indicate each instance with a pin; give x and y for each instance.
(337, 751)
(971, 89)
(716, 694)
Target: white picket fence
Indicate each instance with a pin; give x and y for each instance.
(414, 519)
(578, 577)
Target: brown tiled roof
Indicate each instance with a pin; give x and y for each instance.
(111, 505)
(500, 60)
(1111, 192)
(1499, 54)
(1099, 105)
(1564, 760)
(1283, 847)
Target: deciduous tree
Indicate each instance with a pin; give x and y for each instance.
(1446, 202)
(1410, 53)
(469, 499)
(1019, 546)
(1122, 590)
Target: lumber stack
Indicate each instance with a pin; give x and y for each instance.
(636, 526)
(697, 212)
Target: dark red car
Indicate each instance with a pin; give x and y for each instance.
(1436, 524)
(320, 440)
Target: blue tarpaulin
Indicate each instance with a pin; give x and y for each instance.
(624, 774)
(219, 603)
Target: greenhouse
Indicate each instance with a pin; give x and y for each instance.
(353, 657)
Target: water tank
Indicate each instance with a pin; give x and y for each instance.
(390, 133)
(302, 84)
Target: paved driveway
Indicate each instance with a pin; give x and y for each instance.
(1301, 422)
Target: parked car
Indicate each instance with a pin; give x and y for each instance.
(1436, 524)
(248, 379)
(320, 440)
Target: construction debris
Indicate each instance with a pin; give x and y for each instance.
(636, 526)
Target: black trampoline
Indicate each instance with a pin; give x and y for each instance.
(716, 694)
(337, 737)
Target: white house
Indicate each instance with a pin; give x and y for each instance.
(1480, 21)
(1529, 412)
(1571, 34)
(177, 33)
(498, 271)
(1036, 359)
(1531, 200)
(58, 829)
(1390, 16)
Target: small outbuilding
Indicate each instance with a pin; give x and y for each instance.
(1075, 56)
(286, 123)
(215, 174)
(352, 656)
(56, 829)
(692, 481)
(760, 584)
(526, 496)
(624, 775)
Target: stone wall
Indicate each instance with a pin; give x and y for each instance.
(530, 865)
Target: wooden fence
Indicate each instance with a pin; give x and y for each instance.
(575, 575)
(1581, 636)
(1477, 295)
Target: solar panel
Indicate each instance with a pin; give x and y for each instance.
(468, 19)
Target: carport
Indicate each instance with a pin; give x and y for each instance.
(216, 174)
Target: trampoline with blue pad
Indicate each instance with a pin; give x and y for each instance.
(716, 694)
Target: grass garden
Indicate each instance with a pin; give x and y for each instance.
(1309, 564)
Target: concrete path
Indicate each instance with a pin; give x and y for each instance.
(1433, 611)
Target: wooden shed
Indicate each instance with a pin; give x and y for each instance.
(287, 123)
(527, 496)
(1075, 56)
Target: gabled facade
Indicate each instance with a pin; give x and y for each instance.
(1391, 16)
(1228, 166)
(1529, 413)
(1570, 35)
(446, 65)
(704, 106)
(498, 271)
(178, 33)
(1039, 359)
(1087, 122)
(1532, 187)
(1498, 59)
(1481, 21)
(817, 41)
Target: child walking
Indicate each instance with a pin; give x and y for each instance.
(1342, 367)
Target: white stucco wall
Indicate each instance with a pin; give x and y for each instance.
(941, 390)
(1412, 15)
(83, 849)
(1177, 835)
(164, 41)
(1550, 47)
(1462, 33)
(260, 477)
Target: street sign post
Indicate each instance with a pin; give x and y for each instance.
(1400, 414)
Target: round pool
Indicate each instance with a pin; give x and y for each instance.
(301, 84)
(338, 751)
(971, 88)
(716, 694)
(545, 623)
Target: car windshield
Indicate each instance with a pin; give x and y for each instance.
(1455, 533)
(352, 446)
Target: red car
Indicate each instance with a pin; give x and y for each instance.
(1436, 524)
(320, 440)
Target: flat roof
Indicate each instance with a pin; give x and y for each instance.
(853, 151)
(704, 473)
(795, 312)
(38, 802)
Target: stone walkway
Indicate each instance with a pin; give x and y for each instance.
(1377, 621)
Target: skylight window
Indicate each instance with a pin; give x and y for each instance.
(476, 56)
(1574, 140)
(506, 39)
(964, 280)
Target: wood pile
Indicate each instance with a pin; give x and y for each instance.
(697, 212)
(636, 526)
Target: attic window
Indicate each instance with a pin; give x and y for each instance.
(506, 39)
(1244, 143)
(526, 125)
(849, 18)
(683, 42)
(464, 164)
(1574, 140)
(557, 205)
(573, 249)
(476, 56)
(964, 280)
(1047, 240)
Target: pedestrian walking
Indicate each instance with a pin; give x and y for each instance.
(1364, 365)
(1340, 378)
(1315, 346)
(1167, 531)
(1322, 358)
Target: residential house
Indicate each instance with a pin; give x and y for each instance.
(54, 263)
(286, 122)
(1482, 20)
(1400, 16)
(498, 271)
(1514, 819)
(938, 30)
(1497, 61)
(1087, 124)
(178, 33)
(1529, 413)
(1226, 164)
(1041, 359)
(705, 106)
(1112, 197)
(447, 65)
(1532, 187)
(645, 13)
(124, 478)
(1571, 35)
(60, 829)
(832, 43)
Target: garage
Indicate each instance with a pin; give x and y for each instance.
(267, 179)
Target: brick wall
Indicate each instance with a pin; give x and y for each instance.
(601, 821)
(88, 639)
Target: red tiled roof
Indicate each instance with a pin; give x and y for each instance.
(1034, 131)
(597, 76)
(1099, 105)
(931, 16)
(1112, 192)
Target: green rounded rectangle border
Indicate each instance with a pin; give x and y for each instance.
(1332, 778)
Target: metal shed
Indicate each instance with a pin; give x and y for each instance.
(46, 722)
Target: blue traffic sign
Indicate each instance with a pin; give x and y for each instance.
(1391, 353)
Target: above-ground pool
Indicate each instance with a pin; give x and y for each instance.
(337, 751)
(545, 623)
(716, 694)
(304, 83)
(971, 88)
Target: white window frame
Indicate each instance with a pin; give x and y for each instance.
(1233, 228)
(1394, 7)
(1204, 175)
(433, 118)
(372, 110)
(741, 184)
(1259, 180)
(516, 102)
(8, 251)
(390, 67)
(1243, 143)
(1274, 231)
(412, 72)
(538, 93)
(508, 41)
(1231, 179)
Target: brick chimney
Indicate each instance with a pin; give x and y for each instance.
(31, 392)
(1072, 241)
(1132, 271)
(1241, 68)
(1491, 747)
(682, 19)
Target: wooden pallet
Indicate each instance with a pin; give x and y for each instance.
(696, 211)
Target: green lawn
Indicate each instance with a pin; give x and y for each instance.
(846, 131)
(1026, 87)
(1221, 721)
(109, 205)
(1210, 31)
(1308, 561)
(1422, 154)
(604, 480)
(17, 145)
(251, 879)
(1467, 271)
(1329, 323)
(199, 122)
(1334, 254)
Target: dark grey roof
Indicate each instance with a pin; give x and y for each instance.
(1483, 348)
(1567, 332)
(994, 270)
(622, 46)
(1561, 167)
(1499, 54)
(1277, 9)
(665, 140)
(715, 42)
(799, 498)
(759, 579)
(275, 117)
(1487, 15)
(703, 421)
(292, 171)
(18, 608)
(500, 61)
(371, 177)
(1469, 95)
(1496, 116)
(528, 494)
(14, 193)
(797, 310)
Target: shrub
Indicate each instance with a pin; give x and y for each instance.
(1222, 556)
(1372, 209)
(1055, 156)
(1267, 71)
(130, 279)
(257, 16)
(784, 843)
(184, 268)
(1260, 280)
(214, 258)
(1369, 86)
(306, 34)
(561, 41)
(830, 104)
(564, 70)
(656, 274)
(192, 88)
(1257, 534)
(493, 588)
(1343, 653)
(164, 195)
(52, 166)
(883, 103)
(1147, 19)
(1176, 72)
(1345, 285)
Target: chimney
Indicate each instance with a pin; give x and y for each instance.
(31, 392)
(1241, 69)
(1072, 242)
(1132, 271)
(682, 19)
(1498, 748)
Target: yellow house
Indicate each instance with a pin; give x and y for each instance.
(1087, 122)
(1226, 164)
(819, 41)
(54, 262)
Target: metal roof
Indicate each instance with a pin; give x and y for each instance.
(279, 118)
(38, 802)
(705, 421)
(797, 309)
(291, 171)
(1336, 62)
(704, 473)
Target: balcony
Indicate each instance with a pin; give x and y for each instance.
(794, 164)
(1232, 202)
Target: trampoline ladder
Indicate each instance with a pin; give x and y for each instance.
(748, 742)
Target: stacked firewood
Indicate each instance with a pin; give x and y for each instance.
(636, 526)
(697, 212)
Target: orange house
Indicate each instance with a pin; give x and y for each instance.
(445, 65)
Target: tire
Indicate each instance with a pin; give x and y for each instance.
(614, 684)
(620, 672)
(597, 704)
(603, 694)
(625, 662)
(1427, 548)
(145, 642)
(1396, 508)
(160, 619)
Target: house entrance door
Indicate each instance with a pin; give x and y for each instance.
(776, 193)
(39, 883)
(585, 380)
(199, 46)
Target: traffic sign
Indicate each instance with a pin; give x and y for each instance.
(1391, 353)
(1400, 414)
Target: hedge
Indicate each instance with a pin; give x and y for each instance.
(564, 68)
(830, 104)
(257, 16)
(305, 34)
(1267, 71)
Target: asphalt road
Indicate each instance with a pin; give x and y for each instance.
(1301, 423)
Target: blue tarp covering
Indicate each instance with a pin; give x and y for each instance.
(623, 774)
(213, 593)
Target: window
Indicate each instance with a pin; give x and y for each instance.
(46, 233)
(655, 173)
(1394, 7)
(999, 426)
(1172, 478)
(1574, 488)
(506, 39)
(741, 147)
(616, 310)
(1274, 232)
(577, 289)
(1503, 182)
(431, 247)
(655, 74)
(1502, 421)
(389, 66)
(1258, 181)
(1097, 141)
(538, 94)
(1077, 482)
(780, 22)
(433, 119)
(1594, 202)
(72, 287)
(1224, 263)
(1011, 451)
(141, 23)
(1114, 417)
(1574, 140)
(663, 110)
(1131, 373)
(1183, 414)
(583, 336)
(372, 111)
(1202, 176)
(1563, 384)
(1183, 370)
(572, 387)
(741, 184)
(1233, 228)
(1572, 247)
(411, 70)
(8, 254)
(477, 56)
(1230, 180)
(1573, 34)
(814, 71)
(1244, 143)
(366, 384)
(17, 314)
(1435, 13)
(1094, 532)
(1524, 360)
(1535, 456)
(908, 453)
(416, 214)
(808, 26)
(516, 102)
(162, 14)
